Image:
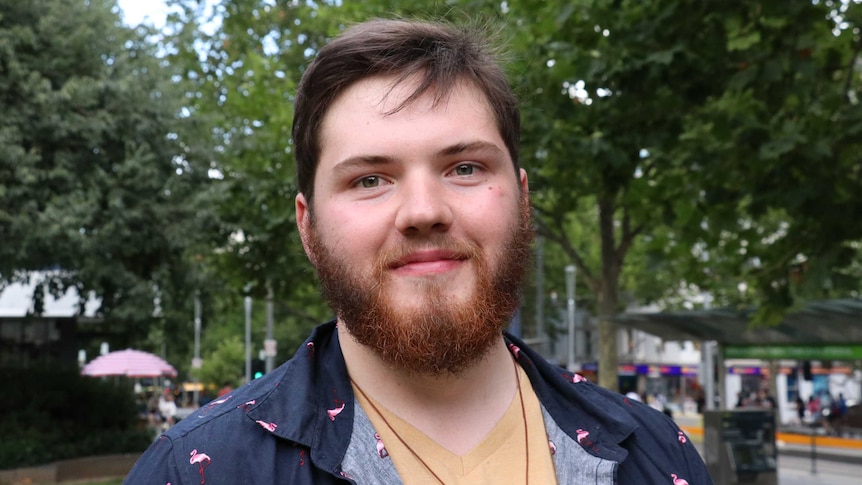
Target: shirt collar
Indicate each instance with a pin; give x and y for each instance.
(312, 401)
(576, 404)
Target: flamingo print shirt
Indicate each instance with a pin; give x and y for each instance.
(300, 424)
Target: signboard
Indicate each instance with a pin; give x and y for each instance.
(797, 352)
(270, 348)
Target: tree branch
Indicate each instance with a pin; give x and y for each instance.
(627, 237)
(566, 244)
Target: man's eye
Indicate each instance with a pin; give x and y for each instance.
(464, 169)
(369, 182)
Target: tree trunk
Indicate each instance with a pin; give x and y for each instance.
(611, 267)
(608, 352)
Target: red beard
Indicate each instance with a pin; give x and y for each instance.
(435, 336)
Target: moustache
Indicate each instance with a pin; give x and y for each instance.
(444, 247)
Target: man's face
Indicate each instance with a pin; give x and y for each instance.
(420, 231)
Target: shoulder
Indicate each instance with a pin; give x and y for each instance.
(222, 443)
(647, 444)
(657, 448)
(223, 420)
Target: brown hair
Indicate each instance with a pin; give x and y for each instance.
(440, 54)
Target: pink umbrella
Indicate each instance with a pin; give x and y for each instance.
(130, 363)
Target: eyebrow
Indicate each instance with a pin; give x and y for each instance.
(474, 146)
(361, 161)
(353, 162)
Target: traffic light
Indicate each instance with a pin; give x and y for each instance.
(258, 367)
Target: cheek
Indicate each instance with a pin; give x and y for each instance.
(354, 232)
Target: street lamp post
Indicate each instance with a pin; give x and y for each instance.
(269, 342)
(570, 314)
(247, 339)
(196, 362)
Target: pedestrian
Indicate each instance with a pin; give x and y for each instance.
(814, 406)
(764, 399)
(741, 401)
(841, 407)
(167, 409)
(415, 213)
(700, 401)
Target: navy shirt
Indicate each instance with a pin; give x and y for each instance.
(300, 424)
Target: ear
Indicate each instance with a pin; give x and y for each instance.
(525, 189)
(303, 223)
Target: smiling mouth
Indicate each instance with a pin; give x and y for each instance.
(431, 261)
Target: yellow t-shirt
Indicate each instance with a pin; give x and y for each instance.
(499, 458)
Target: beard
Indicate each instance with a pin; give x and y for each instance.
(438, 334)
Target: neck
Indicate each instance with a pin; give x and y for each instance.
(456, 411)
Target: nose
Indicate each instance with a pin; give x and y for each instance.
(424, 206)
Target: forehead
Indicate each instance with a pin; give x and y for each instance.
(385, 96)
(378, 104)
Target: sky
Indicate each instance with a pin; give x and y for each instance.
(137, 11)
(154, 12)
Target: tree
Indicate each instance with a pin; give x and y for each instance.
(224, 366)
(94, 186)
(621, 114)
(244, 74)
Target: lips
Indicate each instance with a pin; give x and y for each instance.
(427, 257)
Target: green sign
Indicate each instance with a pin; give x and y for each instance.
(797, 352)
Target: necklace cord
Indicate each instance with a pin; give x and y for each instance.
(416, 455)
(406, 445)
(526, 432)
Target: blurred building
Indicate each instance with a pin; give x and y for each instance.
(29, 339)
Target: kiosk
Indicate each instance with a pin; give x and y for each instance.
(739, 446)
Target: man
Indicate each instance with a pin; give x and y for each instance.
(415, 214)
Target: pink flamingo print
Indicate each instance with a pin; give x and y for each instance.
(267, 426)
(246, 405)
(678, 481)
(220, 401)
(584, 440)
(516, 351)
(335, 412)
(381, 450)
(202, 459)
(582, 435)
(682, 438)
(553, 447)
(577, 378)
(310, 347)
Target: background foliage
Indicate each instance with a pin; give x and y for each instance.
(674, 147)
(65, 415)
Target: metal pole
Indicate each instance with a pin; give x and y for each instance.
(196, 362)
(270, 357)
(540, 296)
(247, 339)
(708, 348)
(570, 313)
(708, 374)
